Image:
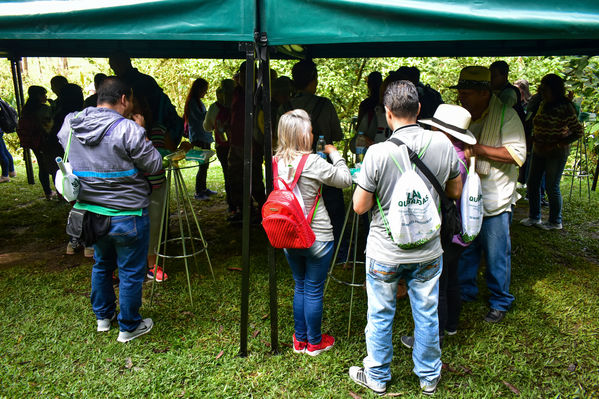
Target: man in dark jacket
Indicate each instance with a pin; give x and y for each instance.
(156, 106)
(110, 155)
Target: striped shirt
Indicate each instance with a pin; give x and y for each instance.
(555, 124)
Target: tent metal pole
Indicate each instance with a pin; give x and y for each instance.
(15, 67)
(264, 77)
(249, 49)
(594, 187)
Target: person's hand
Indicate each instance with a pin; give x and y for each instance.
(139, 119)
(329, 148)
(468, 152)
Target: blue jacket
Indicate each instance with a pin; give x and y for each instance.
(195, 121)
(110, 162)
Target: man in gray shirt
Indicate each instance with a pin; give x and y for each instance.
(386, 262)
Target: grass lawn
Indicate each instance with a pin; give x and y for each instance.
(547, 347)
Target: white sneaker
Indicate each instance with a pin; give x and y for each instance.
(4, 179)
(530, 222)
(550, 226)
(357, 374)
(12, 174)
(143, 328)
(429, 387)
(104, 324)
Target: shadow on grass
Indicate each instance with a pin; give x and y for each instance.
(546, 347)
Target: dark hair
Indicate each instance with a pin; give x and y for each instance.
(197, 86)
(303, 73)
(98, 79)
(501, 66)
(112, 89)
(71, 98)
(556, 86)
(409, 73)
(32, 104)
(35, 91)
(374, 81)
(401, 97)
(58, 79)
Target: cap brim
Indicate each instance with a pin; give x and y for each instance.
(467, 137)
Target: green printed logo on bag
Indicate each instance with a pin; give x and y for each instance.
(412, 219)
(414, 198)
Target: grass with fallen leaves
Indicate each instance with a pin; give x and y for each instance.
(547, 347)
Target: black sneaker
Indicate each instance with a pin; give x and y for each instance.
(495, 316)
(407, 341)
(234, 218)
(201, 196)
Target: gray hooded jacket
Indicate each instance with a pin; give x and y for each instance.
(110, 162)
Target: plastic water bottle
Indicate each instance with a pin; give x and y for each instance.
(61, 166)
(320, 147)
(361, 143)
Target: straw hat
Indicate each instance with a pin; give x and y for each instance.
(453, 120)
(474, 77)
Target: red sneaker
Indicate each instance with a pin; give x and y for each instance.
(325, 344)
(160, 275)
(299, 346)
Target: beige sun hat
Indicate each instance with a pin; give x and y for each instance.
(454, 120)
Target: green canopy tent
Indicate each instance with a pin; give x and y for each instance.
(142, 28)
(323, 28)
(377, 28)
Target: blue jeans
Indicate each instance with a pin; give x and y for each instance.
(309, 268)
(423, 288)
(494, 241)
(6, 161)
(126, 247)
(552, 167)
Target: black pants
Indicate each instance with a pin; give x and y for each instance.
(202, 171)
(236, 168)
(333, 201)
(47, 167)
(450, 303)
(222, 153)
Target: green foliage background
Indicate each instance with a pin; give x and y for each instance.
(342, 79)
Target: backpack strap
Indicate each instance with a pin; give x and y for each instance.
(298, 172)
(290, 187)
(426, 171)
(315, 206)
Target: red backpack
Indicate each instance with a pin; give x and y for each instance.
(282, 216)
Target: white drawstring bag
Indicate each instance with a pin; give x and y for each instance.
(413, 218)
(471, 205)
(67, 184)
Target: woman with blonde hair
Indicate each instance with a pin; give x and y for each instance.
(309, 266)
